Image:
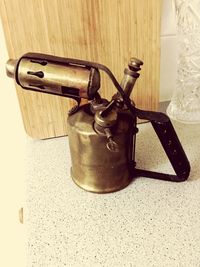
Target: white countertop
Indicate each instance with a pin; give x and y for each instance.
(149, 223)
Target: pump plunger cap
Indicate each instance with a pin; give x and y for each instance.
(135, 63)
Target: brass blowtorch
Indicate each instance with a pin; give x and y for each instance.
(102, 133)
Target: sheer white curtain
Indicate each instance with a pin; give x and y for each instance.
(185, 103)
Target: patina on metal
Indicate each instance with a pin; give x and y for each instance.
(49, 75)
(95, 167)
(102, 133)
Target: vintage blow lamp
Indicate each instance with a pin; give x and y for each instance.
(102, 133)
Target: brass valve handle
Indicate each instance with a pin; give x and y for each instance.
(111, 144)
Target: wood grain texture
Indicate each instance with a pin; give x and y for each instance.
(108, 32)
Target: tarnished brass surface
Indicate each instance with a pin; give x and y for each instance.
(107, 121)
(49, 75)
(55, 76)
(102, 133)
(94, 167)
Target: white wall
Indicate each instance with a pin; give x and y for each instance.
(12, 143)
(168, 64)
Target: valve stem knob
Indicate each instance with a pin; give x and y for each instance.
(135, 63)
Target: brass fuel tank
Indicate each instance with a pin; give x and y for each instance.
(95, 168)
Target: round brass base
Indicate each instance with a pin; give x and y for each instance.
(100, 190)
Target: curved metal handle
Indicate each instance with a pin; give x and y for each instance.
(173, 148)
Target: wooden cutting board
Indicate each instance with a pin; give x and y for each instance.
(105, 31)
